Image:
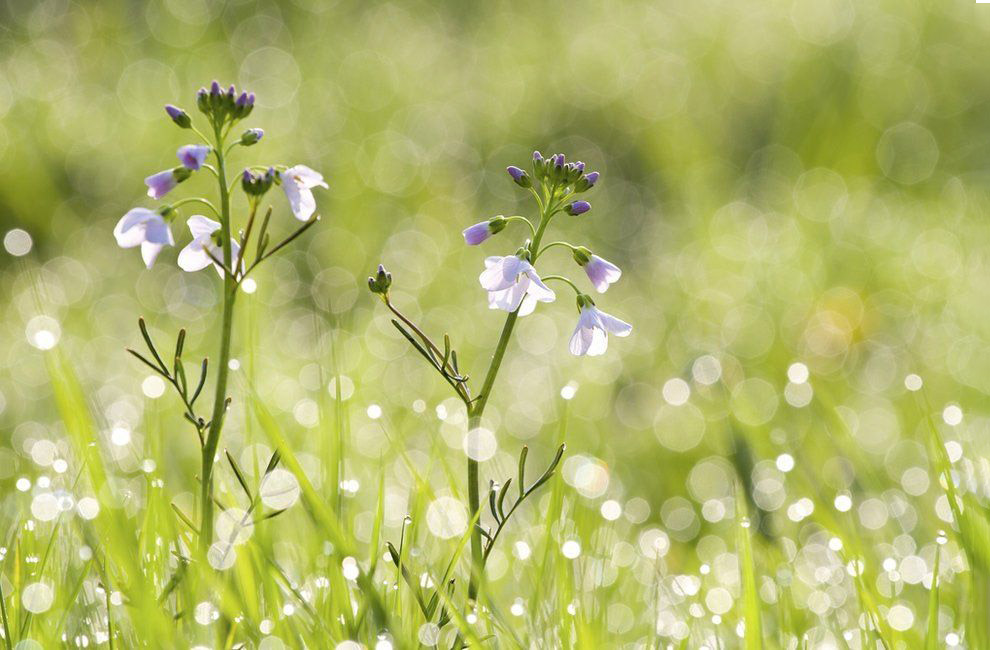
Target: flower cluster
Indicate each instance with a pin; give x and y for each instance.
(512, 283)
(151, 229)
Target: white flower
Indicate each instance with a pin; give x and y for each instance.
(147, 228)
(196, 255)
(512, 283)
(591, 334)
(298, 183)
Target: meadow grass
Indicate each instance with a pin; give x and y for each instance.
(788, 452)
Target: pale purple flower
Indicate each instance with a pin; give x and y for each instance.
(591, 334)
(161, 183)
(144, 227)
(477, 233)
(192, 156)
(298, 183)
(602, 273)
(196, 255)
(512, 283)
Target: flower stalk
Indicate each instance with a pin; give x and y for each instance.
(226, 326)
(514, 286)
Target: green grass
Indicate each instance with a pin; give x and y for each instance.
(788, 183)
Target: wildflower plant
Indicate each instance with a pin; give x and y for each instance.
(514, 285)
(234, 248)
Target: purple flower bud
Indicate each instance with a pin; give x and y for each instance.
(231, 91)
(250, 99)
(246, 176)
(477, 233)
(520, 177)
(251, 136)
(577, 207)
(586, 182)
(579, 165)
(241, 100)
(537, 157)
(215, 88)
(178, 116)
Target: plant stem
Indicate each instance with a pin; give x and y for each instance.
(476, 411)
(220, 396)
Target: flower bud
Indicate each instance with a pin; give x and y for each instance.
(380, 282)
(557, 171)
(520, 177)
(577, 207)
(203, 101)
(539, 166)
(251, 136)
(257, 184)
(481, 231)
(178, 116)
(586, 182)
(574, 171)
(582, 255)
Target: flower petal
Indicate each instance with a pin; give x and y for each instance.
(200, 225)
(305, 177)
(614, 325)
(192, 156)
(193, 257)
(300, 200)
(493, 277)
(129, 230)
(160, 184)
(537, 289)
(149, 251)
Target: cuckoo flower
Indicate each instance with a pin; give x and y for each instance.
(600, 271)
(192, 156)
(144, 227)
(298, 183)
(512, 283)
(591, 334)
(204, 249)
(165, 181)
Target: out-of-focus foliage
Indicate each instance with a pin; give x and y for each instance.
(795, 192)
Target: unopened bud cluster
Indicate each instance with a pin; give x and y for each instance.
(380, 282)
(222, 106)
(256, 185)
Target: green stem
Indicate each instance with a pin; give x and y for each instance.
(220, 396)
(197, 199)
(556, 243)
(561, 278)
(477, 410)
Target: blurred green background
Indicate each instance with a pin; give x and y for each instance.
(782, 182)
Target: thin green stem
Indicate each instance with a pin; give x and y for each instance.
(197, 199)
(523, 219)
(552, 244)
(560, 278)
(477, 410)
(200, 134)
(220, 396)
